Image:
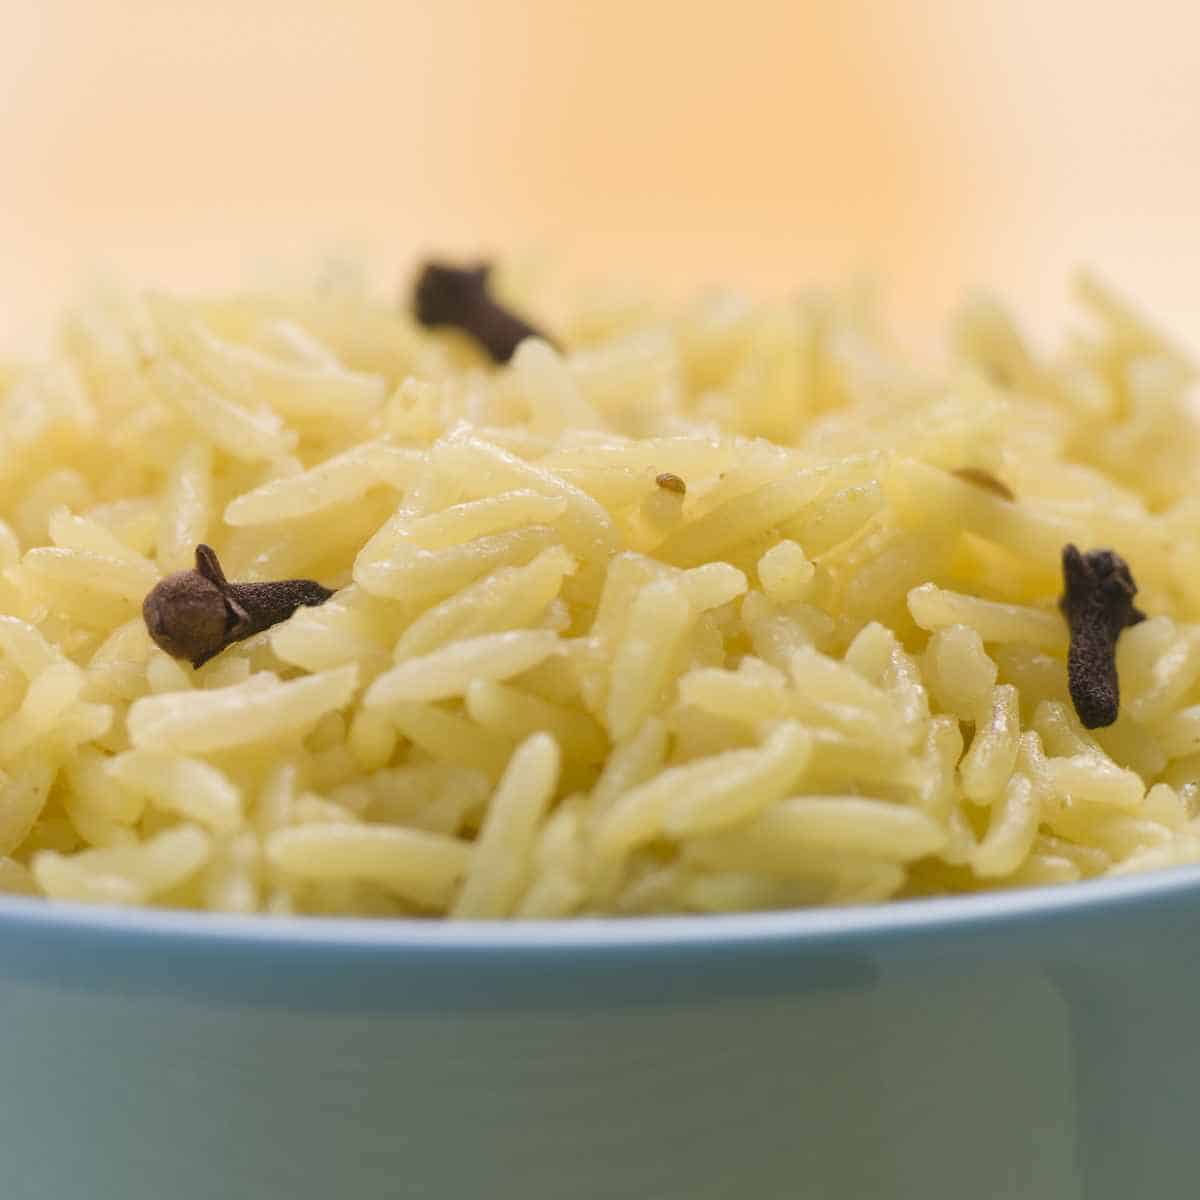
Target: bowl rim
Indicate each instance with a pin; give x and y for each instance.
(949, 917)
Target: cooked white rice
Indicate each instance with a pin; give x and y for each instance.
(831, 671)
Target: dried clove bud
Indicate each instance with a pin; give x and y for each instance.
(984, 479)
(459, 297)
(671, 483)
(196, 614)
(1098, 604)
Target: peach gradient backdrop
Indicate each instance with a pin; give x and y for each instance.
(937, 142)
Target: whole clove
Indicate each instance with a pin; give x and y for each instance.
(198, 613)
(1098, 604)
(459, 297)
(671, 483)
(986, 480)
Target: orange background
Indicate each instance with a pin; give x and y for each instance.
(936, 143)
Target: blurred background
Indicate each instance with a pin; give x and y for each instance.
(937, 144)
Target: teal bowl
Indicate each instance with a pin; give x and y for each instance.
(1034, 1044)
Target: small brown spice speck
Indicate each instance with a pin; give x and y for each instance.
(196, 614)
(671, 483)
(984, 479)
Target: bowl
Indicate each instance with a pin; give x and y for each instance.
(1032, 1044)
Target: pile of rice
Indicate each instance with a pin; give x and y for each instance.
(832, 672)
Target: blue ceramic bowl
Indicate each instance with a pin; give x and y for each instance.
(1022, 1044)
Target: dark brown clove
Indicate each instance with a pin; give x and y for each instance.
(459, 297)
(196, 614)
(1098, 604)
(671, 483)
(984, 479)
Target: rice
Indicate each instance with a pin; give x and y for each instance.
(701, 610)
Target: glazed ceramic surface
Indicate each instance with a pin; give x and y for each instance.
(1039, 1045)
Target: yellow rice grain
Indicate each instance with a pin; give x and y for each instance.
(823, 664)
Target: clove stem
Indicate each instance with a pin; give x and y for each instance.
(1098, 604)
